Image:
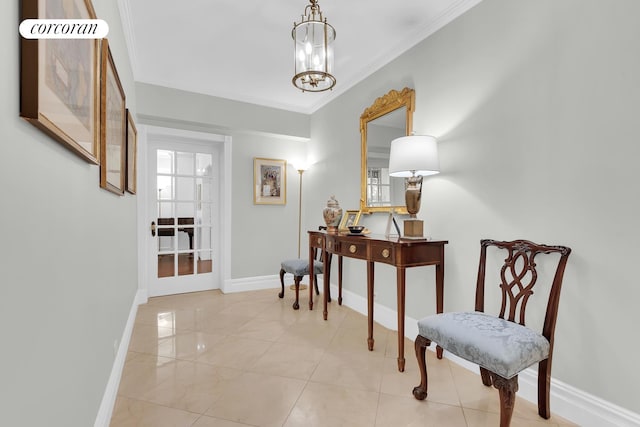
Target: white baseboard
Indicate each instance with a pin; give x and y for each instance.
(567, 402)
(103, 419)
(251, 284)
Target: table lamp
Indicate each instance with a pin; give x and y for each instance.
(413, 157)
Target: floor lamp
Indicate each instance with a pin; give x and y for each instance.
(301, 170)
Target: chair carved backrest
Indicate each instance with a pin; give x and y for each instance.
(518, 277)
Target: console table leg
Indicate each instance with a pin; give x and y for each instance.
(326, 260)
(401, 284)
(339, 280)
(440, 292)
(370, 274)
(311, 277)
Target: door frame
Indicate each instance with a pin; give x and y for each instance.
(148, 133)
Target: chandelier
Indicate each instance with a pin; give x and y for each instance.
(312, 40)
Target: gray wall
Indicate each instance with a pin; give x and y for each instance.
(68, 264)
(535, 105)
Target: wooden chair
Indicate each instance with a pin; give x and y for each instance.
(503, 346)
(299, 267)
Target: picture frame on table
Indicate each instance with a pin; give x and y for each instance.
(132, 150)
(269, 181)
(391, 222)
(60, 80)
(350, 218)
(113, 126)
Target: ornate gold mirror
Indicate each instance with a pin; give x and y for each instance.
(389, 117)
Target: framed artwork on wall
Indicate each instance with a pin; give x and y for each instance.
(113, 125)
(59, 80)
(132, 148)
(269, 181)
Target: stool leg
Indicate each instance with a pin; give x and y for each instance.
(281, 294)
(296, 280)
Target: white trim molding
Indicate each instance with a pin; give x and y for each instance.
(250, 284)
(103, 418)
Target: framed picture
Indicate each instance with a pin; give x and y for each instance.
(391, 222)
(132, 148)
(59, 80)
(269, 181)
(348, 219)
(113, 125)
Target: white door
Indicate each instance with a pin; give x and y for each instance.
(185, 216)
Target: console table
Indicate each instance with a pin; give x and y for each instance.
(399, 252)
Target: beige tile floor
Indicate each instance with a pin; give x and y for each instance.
(212, 360)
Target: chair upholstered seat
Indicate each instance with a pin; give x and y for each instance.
(501, 346)
(300, 267)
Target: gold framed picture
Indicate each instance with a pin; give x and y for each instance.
(132, 148)
(269, 181)
(350, 217)
(113, 125)
(59, 80)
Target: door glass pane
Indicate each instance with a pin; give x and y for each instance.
(166, 240)
(204, 238)
(166, 265)
(204, 214)
(186, 210)
(203, 189)
(203, 164)
(205, 262)
(185, 264)
(185, 188)
(166, 210)
(185, 234)
(165, 187)
(165, 161)
(186, 163)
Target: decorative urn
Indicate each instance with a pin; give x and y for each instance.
(332, 215)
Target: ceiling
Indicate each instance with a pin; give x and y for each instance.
(243, 50)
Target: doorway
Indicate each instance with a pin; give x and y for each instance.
(184, 211)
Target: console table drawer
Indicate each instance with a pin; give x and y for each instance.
(316, 240)
(352, 249)
(383, 252)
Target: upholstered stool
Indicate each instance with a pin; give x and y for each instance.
(299, 268)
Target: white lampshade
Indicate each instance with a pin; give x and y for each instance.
(414, 155)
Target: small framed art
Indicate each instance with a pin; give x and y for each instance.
(269, 181)
(113, 125)
(348, 219)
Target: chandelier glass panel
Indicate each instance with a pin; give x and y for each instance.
(313, 41)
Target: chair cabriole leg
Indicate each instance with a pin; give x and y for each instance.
(486, 376)
(421, 344)
(507, 389)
